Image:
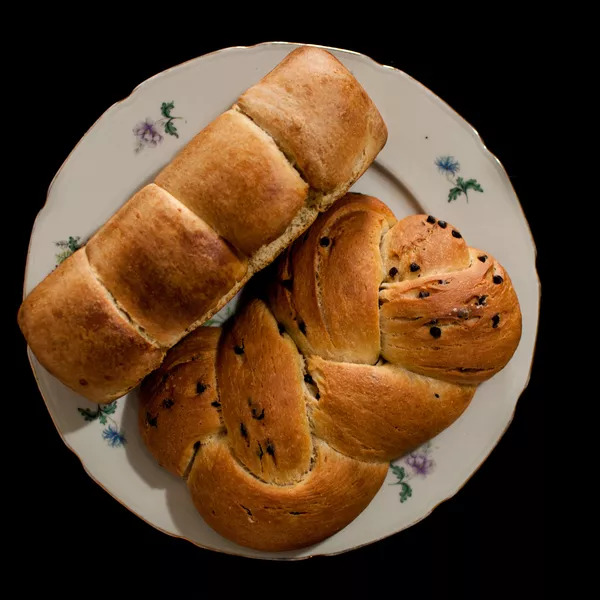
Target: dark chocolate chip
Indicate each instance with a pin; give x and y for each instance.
(167, 403)
(152, 421)
(197, 446)
(431, 219)
(270, 448)
(497, 279)
(83, 382)
(437, 395)
(258, 416)
(414, 267)
(393, 272)
(216, 404)
(239, 349)
(435, 332)
(308, 378)
(463, 313)
(287, 284)
(317, 395)
(281, 328)
(481, 301)
(482, 258)
(423, 294)
(456, 234)
(495, 321)
(200, 388)
(302, 327)
(243, 431)
(324, 241)
(443, 224)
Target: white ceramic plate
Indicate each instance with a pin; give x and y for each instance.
(431, 154)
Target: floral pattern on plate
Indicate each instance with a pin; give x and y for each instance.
(449, 166)
(147, 132)
(114, 435)
(419, 463)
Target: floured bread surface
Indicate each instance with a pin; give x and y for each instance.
(320, 116)
(76, 331)
(233, 176)
(163, 264)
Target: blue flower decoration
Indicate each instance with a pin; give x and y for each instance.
(447, 164)
(113, 436)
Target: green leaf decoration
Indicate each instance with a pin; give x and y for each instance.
(171, 129)
(405, 492)
(454, 193)
(102, 418)
(88, 415)
(472, 184)
(74, 243)
(109, 409)
(166, 108)
(399, 472)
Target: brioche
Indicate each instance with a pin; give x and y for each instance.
(372, 339)
(232, 199)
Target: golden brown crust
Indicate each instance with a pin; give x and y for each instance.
(416, 247)
(162, 263)
(308, 442)
(170, 271)
(328, 284)
(378, 413)
(234, 177)
(319, 115)
(271, 517)
(464, 331)
(79, 335)
(260, 374)
(179, 402)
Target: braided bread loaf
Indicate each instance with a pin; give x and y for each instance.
(374, 338)
(239, 193)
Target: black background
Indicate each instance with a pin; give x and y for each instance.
(486, 542)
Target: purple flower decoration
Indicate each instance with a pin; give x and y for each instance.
(147, 134)
(420, 463)
(114, 437)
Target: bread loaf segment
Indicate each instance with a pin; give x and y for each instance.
(179, 402)
(418, 246)
(380, 412)
(234, 177)
(464, 330)
(260, 375)
(272, 517)
(163, 264)
(328, 286)
(321, 118)
(77, 332)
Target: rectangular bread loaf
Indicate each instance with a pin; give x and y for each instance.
(180, 248)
